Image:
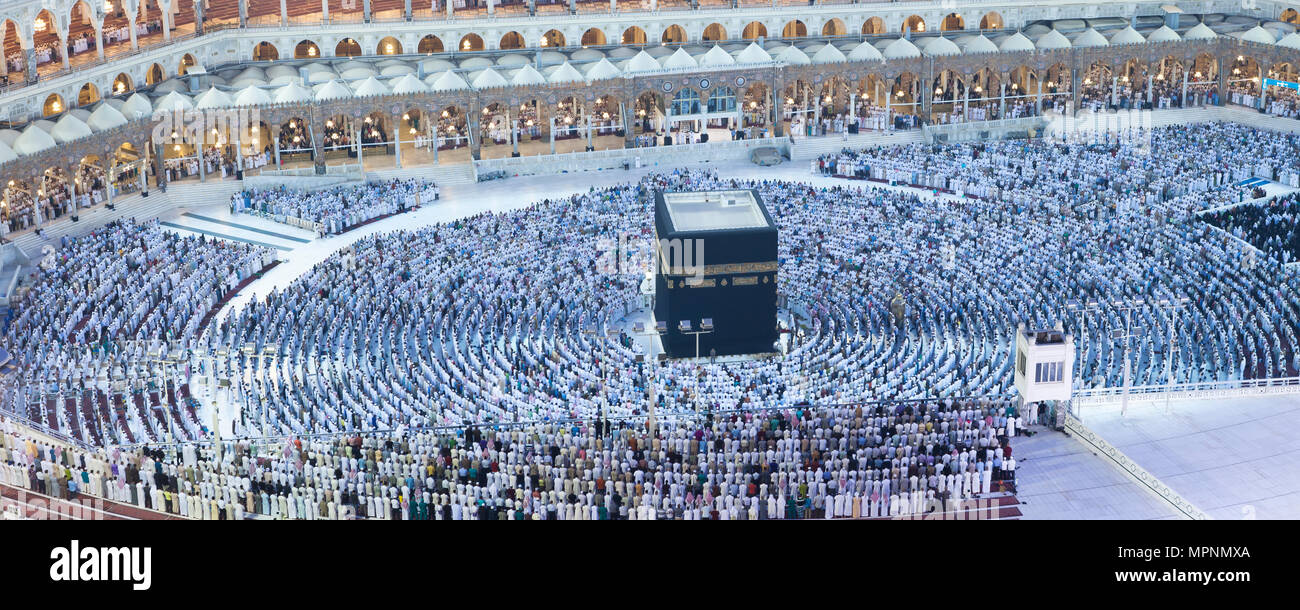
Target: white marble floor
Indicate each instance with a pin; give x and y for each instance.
(1233, 458)
(1059, 478)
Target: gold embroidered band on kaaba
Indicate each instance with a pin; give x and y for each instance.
(727, 269)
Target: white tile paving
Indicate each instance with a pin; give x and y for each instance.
(1233, 458)
(1059, 478)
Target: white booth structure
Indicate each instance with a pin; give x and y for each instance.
(1044, 364)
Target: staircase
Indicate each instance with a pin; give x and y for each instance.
(181, 194)
(811, 148)
(441, 174)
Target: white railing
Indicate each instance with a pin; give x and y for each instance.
(1184, 391)
(617, 158)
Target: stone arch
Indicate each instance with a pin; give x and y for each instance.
(88, 94)
(123, 84)
(952, 21)
(470, 42)
(80, 19)
(306, 49)
(1245, 74)
(348, 47)
(187, 62)
(512, 40)
(794, 29)
(389, 46)
(992, 20)
(429, 44)
(45, 30)
(265, 51)
(53, 105)
(834, 27)
(914, 23)
(1205, 68)
(154, 75)
(873, 26)
(1290, 16)
(753, 31)
(714, 32)
(673, 34)
(593, 37)
(633, 35)
(553, 39)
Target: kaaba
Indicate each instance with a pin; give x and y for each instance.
(716, 264)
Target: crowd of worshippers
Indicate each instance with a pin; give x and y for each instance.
(216, 164)
(501, 316)
(24, 209)
(1283, 102)
(336, 209)
(413, 326)
(1270, 225)
(126, 281)
(888, 460)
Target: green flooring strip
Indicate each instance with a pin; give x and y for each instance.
(246, 227)
(223, 236)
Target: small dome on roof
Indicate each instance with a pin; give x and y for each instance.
(33, 140)
(601, 70)
(333, 90)
(213, 98)
(864, 51)
(829, 55)
(716, 57)
(369, 87)
(489, 78)
(1163, 34)
(642, 62)
(1200, 32)
(447, 81)
(1260, 35)
(1090, 38)
(409, 84)
(70, 128)
(753, 54)
(901, 48)
(1016, 42)
(1053, 40)
(565, 73)
(978, 44)
(527, 75)
(1128, 35)
(941, 46)
(105, 117)
(679, 59)
(293, 93)
(252, 96)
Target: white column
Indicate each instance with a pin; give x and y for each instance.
(492, 7)
(130, 26)
(167, 23)
(99, 41)
(284, 14)
(552, 135)
(397, 137)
